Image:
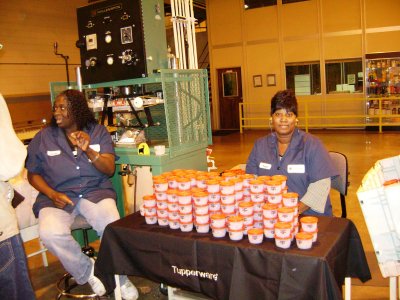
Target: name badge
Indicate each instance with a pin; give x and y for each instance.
(95, 147)
(265, 166)
(54, 152)
(296, 169)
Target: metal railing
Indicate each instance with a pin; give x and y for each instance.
(379, 116)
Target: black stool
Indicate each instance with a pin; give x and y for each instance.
(67, 282)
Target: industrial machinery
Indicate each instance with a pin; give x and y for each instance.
(121, 39)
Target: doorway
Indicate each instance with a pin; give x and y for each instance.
(229, 97)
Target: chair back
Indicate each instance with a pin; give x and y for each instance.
(340, 183)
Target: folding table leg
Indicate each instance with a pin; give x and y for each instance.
(392, 288)
(117, 290)
(347, 288)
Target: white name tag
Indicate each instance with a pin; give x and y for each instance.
(265, 166)
(95, 147)
(296, 169)
(54, 153)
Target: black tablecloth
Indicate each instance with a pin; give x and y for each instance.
(225, 269)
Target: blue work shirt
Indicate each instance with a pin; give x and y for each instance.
(305, 161)
(50, 156)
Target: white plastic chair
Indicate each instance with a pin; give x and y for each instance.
(31, 233)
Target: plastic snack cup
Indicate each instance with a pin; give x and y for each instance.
(257, 197)
(309, 223)
(269, 222)
(270, 210)
(202, 219)
(161, 196)
(235, 223)
(173, 215)
(162, 205)
(283, 230)
(172, 183)
(246, 179)
(185, 218)
(201, 209)
(162, 213)
(201, 181)
(274, 187)
(274, 199)
(200, 198)
(228, 209)
(281, 178)
(214, 197)
(246, 208)
(212, 186)
(304, 240)
(236, 234)
(283, 243)
(227, 187)
(150, 218)
(258, 216)
(173, 224)
(160, 184)
(218, 220)
(269, 233)
(228, 199)
(255, 235)
(186, 226)
(256, 186)
(163, 221)
(149, 200)
(285, 214)
(184, 197)
(238, 184)
(218, 232)
(202, 227)
(185, 209)
(248, 220)
(290, 199)
(238, 195)
(172, 195)
(150, 210)
(214, 207)
(173, 206)
(184, 183)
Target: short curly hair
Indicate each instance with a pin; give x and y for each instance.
(78, 108)
(285, 99)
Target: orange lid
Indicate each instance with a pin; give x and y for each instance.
(236, 179)
(159, 180)
(255, 231)
(157, 177)
(200, 193)
(309, 219)
(172, 191)
(256, 181)
(389, 182)
(235, 218)
(246, 204)
(218, 216)
(270, 206)
(149, 197)
(247, 176)
(173, 178)
(236, 230)
(184, 193)
(302, 235)
(227, 183)
(279, 177)
(285, 209)
(283, 225)
(212, 174)
(212, 181)
(228, 174)
(201, 177)
(290, 195)
(273, 182)
(264, 178)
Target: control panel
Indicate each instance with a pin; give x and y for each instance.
(121, 39)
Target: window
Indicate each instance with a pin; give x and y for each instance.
(344, 76)
(249, 4)
(303, 78)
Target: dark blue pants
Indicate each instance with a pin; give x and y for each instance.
(14, 278)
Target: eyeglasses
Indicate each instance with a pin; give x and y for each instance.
(288, 115)
(61, 107)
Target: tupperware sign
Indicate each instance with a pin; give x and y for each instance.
(195, 273)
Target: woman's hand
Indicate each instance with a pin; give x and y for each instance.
(82, 139)
(60, 200)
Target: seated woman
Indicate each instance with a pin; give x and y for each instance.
(69, 163)
(296, 154)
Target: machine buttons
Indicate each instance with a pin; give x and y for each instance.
(108, 38)
(110, 60)
(91, 62)
(91, 42)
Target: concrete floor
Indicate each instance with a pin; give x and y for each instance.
(362, 148)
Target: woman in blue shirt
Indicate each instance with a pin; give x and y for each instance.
(70, 163)
(296, 154)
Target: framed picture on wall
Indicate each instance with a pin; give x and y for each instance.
(271, 80)
(257, 80)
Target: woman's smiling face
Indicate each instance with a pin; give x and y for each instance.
(61, 113)
(283, 122)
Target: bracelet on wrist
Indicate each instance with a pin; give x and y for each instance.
(95, 158)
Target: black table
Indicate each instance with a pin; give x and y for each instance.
(225, 269)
